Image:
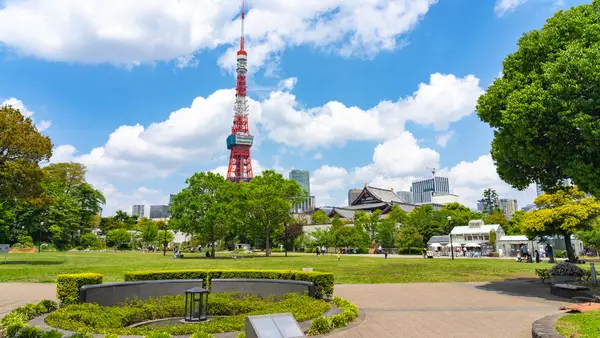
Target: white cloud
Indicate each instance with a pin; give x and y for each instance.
(18, 104)
(143, 31)
(325, 182)
(503, 6)
(443, 138)
(317, 156)
(445, 99)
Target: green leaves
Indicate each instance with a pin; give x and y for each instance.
(544, 109)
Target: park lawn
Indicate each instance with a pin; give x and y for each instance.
(43, 267)
(579, 325)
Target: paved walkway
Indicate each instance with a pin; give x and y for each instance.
(503, 309)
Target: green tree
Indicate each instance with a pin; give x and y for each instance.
(564, 213)
(492, 239)
(544, 108)
(319, 217)
(386, 232)
(368, 222)
(497, 217)
(515, 222)
(89, 240)
(269, 198)
(460, 215)
(490, 201)
(164, 237)
(398, 215)
(22, 149)
(409, 237)
(591, 236)
(118, 237)
(427, 221)
(149, 231)
(203, 206)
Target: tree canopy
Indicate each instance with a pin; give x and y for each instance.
(564, 213)
(544, 108)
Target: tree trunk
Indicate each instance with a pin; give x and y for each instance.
(212, 241)
(267, 244)
(569, 247)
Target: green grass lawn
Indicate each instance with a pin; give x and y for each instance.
(580, 325)
(350, 269)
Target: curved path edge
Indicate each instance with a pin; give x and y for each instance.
(544, 327)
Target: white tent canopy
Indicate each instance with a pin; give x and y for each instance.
(472, 245)
(435, 245)
(455, 245)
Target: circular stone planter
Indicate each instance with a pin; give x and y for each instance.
(557, 279)
(41, 323)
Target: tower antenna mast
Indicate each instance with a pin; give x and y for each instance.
(240, 140)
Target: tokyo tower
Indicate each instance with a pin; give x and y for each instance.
(240, 141)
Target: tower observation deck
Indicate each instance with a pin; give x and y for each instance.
(240, 140)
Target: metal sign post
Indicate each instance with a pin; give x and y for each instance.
(4, 249)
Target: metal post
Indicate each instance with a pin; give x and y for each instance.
(593, 272)
(40, 237)
(165, 242)
(451, 246)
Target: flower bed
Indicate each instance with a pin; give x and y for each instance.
(92, 318)
(14, 324)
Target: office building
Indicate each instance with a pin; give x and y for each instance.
(301, 177)
(405, 196)
(138, 210)
(159, 211)
(423, 189)
(508, 206)
(353, 195)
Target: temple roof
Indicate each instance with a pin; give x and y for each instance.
(380, 195)
(348, 211)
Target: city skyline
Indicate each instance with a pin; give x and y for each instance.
(334, 101)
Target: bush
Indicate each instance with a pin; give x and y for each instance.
(48, 305)
(68, 285)
(323, 281)
(494, 254)
(323, 325)
(201, 335)
(560, 253)
(241, 335)
(566, 269)
(543, 274)
(82, 335)
(51, 334)
(14, 324)
(29, 332)
(160, 335)
(54, 334)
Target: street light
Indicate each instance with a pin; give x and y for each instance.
(40, 237)
(451, 244)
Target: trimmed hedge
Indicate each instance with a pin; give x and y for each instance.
(323, 281)
(68, 285)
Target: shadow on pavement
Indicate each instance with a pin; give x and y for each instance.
(523, 287)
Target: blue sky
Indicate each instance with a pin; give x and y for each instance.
(356, 93)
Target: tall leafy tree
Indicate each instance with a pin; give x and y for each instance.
(490, 201)
(544, 108)
(591, 237)
(427, 221)
(515, 222)
(497, 217)
(564, 213)
(368, 222)
(22, 149)
(203, 207)
(268, 201)
(386, 232)
(409, 237)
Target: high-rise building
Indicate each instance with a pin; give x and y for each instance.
(424, 188)
(138, 210)
(405, 196)
(480, 206)
(353, 195)
(508, 206)
(302, 177)
(307, 205)
(159, 211)
(171, 198)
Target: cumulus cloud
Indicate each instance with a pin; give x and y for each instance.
(445, 99)
(143, 31)
(18, 104)
(443, 138)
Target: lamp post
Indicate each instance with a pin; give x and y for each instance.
(286, 238)
(40, 237)
(451, 244)
(196, 305)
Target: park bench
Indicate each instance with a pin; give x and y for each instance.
(570, 291)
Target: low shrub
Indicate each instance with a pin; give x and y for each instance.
(55, 334)
(494, 254)
(323, 325)
(68, 285)
(82, 335)
(14, 324)
(241, 335)
(561, 253)
(160, 335)
(202, 335)
(323, 281)
(544, 274)
(587, 275)
(92, 318)
(566, 269)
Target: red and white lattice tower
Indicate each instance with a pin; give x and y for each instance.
(240, 141)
